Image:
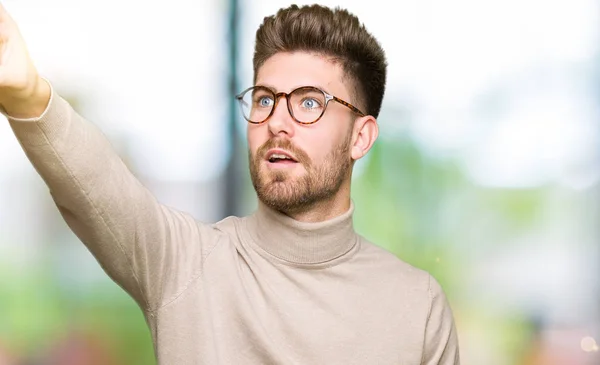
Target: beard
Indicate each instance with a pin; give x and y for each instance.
(290, 194)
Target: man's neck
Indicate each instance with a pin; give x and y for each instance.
(302, 242)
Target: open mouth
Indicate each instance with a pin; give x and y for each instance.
(280, 159)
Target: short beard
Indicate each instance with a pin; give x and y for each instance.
(319, 184)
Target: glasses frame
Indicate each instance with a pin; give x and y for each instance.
(277, 96)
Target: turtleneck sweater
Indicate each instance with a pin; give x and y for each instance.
(258, 289)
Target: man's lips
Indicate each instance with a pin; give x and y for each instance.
(276, 155)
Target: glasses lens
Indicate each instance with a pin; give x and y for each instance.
(308, 104)
(256, 104)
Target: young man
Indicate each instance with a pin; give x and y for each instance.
(292, 283)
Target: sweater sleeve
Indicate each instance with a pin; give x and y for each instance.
(148, 249)
(441, 341)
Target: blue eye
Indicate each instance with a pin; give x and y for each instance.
(265, 101)
(310, 103)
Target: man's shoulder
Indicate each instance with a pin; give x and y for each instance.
(381, 260)
(228, 224)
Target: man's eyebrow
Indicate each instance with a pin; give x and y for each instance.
(270, 87)
(275, 91)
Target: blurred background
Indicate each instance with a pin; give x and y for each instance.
(486, 173)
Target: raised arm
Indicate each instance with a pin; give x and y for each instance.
(137, 241)
(23, 94)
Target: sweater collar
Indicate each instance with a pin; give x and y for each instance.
(301, 242)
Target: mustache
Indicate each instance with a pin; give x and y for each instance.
(285, 144)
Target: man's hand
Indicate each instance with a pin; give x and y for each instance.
(23, 93)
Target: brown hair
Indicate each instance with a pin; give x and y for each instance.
(336, 34)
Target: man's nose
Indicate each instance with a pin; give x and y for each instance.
(281, 120)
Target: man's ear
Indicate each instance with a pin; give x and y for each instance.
(364, 134)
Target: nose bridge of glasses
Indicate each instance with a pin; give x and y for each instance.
(278, 96)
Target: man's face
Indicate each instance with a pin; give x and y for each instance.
(320, 152)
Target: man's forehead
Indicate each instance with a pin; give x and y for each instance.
(283, 72)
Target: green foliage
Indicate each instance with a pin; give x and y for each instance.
(37, 315)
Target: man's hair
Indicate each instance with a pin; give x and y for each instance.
(334, 33)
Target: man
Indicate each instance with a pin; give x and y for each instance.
(292, 283)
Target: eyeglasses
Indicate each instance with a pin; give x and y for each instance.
(306, 104)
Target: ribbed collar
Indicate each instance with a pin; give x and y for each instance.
(301, 242)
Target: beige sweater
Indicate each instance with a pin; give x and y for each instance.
(262, 289)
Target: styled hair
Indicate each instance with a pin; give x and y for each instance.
(333, 33)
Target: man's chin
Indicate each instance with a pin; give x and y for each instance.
(278, 176)
(284, 204)
(279, 187)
